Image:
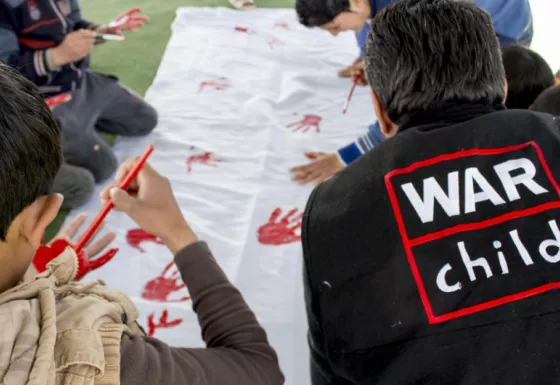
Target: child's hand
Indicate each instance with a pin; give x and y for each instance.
(359, 71)
(40, 261)
(128, 21)
(322, 168)
(149, 201)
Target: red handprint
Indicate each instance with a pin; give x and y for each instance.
(205, 158)
(163, 323)
(309, 122)
(218, 85)
(135, 237)
(279, 232)
(161, 287)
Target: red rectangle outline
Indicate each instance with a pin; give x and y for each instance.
(408, 244)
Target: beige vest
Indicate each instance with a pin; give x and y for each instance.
(54, 331)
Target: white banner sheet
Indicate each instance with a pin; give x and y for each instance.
(241, 97)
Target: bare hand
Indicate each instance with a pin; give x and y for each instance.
(150, 202)
(347, 72)
(91, 250)
(76, 46)
(323, 167)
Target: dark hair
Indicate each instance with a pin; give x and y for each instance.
(423, 53)
(527, 75)
(30, 153)
(315, 13)
(548, 101)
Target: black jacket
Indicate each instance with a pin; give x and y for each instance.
(433, 258)
(30, 27)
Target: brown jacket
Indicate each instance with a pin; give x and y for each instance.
(62, 332)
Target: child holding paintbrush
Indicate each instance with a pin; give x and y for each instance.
(71, 333)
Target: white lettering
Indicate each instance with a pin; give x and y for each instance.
(501, 258)
(470, 264)
(442, 282)
(433, 192)
(543, 248)
(521, 248)
(488, 193)
(504, 173)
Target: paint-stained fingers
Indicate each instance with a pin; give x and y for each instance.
(274, 216)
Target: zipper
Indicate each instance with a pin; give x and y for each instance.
(79, 71)
(60, 16)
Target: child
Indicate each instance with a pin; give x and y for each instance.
(528, 75)
(61, 332)
(512, 19)
(548, 101)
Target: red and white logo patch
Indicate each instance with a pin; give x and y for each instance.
(480, 228)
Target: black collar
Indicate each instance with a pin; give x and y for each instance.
(448, 113)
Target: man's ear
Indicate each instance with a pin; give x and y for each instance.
(38, 215)
(388, 128)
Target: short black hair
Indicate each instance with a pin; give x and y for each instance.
(423, 53)
(315, 13)
(527, 73)
(548, 101)
(30, 152)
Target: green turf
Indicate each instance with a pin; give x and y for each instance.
(136, 61)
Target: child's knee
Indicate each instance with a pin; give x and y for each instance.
(106, 166)
(147, 120)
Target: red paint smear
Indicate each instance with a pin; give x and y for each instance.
(162, 323)
(135, 237)
(161, 287)
(281, 231)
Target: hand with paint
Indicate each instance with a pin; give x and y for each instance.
(128, 21)
(322, 168)
(150, 202)
(75, 46)
(45, 254)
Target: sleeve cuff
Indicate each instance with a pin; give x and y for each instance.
(349, 153)
(40, 63)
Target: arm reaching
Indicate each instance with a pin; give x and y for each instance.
(237, 350)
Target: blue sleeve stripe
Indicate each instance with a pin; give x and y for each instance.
(349, 153)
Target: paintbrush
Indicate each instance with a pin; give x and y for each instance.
(347, 102)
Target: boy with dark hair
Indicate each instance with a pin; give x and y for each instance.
(527, 74)
(55, 331)
(548, 101)
(433, 259)
(513, 24)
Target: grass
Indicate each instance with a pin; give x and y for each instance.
(136, 61)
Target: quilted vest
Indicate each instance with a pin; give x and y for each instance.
(55, 331)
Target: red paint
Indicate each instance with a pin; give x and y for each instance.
(205, 158)
(281, 231)
(59, 99)
(161, 287)
(243, 30)
(135, 237)
(163, 323)
(45, 254)
(409, 243)
(218, 85)
(309, 122)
